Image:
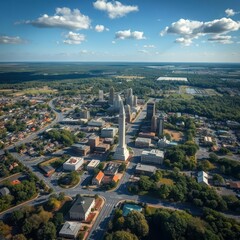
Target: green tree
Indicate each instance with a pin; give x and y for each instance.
(145, 183)
(47, 231)
(164, 191)
(5, 230)
(27, 227)
(19, 237)
(137, 224)
(17, 216)
(218, 179)
(58, 219)
(123, 235)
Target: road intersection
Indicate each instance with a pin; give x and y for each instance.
(112, 198)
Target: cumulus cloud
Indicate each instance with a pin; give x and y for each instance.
(11, 40)
(184, 41)
(149, 46)
(114, 9)
(187, 30)
(63, 18)
(100, 28)
(221, 39)
(127, 34)
(74, 38)
(230, 12)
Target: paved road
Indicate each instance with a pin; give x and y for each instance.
(59, 117)
(111, 198)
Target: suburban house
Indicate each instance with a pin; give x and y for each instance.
(98, 178)
(70, 230)
(81, 208)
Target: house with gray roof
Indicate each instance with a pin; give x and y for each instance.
(70, 230)
(81, 208)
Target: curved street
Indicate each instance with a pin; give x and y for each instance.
(112, 198)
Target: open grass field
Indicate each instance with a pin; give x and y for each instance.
(166, 181)
(175, 135)
(36, 91)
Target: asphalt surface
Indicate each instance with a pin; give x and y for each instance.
(112, 198)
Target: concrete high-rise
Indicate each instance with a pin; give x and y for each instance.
(135, 101)
(116, 102)
(154, 124)
(150, 110)
(121, 152)
(160, 126)
(128, 113)
(111, 96)
(129, 97)
(100, 95)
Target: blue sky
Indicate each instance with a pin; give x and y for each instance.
(125, 30)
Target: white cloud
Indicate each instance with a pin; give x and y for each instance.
(230, 12)
(143, 51)
(114, 9)
(183, 27)
(100, 28)
(184, 41)
(221, 26)
(127, 34)
(113, 42)
(63, 18)
(74, 38)
(11, 40)
(86, 52)
(221, 39)
(187, 30)
(149, 46)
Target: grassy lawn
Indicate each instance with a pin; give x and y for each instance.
(184, 96)
(166, 181)
(36, 91)
(69, 180)
(175, 135)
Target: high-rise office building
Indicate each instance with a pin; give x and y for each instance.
(160, 126)
(111, 96)
(116, 102)
(150, 110)
(154, 124)
(128, 113)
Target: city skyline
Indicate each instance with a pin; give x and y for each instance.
(103, 30)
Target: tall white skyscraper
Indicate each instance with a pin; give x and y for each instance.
(121, 152)
(116, 103)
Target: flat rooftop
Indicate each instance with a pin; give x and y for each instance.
(172, 79)
(146, 140)
(154, 152)
(73, 160)
(93, 163)
(147, 168)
